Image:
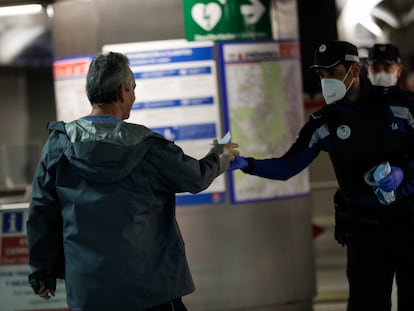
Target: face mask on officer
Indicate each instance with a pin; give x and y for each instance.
(334, 89)
(383, 78)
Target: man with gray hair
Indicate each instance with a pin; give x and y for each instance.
(102, 210)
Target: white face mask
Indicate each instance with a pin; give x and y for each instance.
(334, 89)
(383, 78)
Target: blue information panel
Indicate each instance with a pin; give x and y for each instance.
(177, 96)
(15, 292)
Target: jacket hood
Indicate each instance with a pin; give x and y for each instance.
(103, 152)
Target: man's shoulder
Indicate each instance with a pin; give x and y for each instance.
(399, 97)
(408, 96)
(56, 126)
(138, 128)
(142, 130)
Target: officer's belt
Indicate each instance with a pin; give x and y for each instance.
(376, 215)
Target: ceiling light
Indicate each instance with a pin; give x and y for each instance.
(387, 17)
(20, 10)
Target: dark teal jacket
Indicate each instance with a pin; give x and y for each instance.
(104, 196)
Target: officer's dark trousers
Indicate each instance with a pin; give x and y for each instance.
(377, 251)
(174, 305)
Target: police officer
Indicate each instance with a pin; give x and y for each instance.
(361, 127)
(384, 65)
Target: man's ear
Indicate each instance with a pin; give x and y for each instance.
(400, 70)
(121, 91)
(368, 67)
(356, 69)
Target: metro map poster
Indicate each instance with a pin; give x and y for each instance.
(263, 105)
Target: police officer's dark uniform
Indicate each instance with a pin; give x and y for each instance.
(377, 127)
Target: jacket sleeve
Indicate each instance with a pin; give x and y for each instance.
(179, 172)
(44, 225)
(406, 189)
(304, 150)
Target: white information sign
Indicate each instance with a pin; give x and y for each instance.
(70, 80)
(176, 96)
(15, 292)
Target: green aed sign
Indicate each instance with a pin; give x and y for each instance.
(226, 20)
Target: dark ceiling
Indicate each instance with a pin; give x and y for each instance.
(28, 38)
(397, 7)
(401, 10)
(396, 16)
(20, 2)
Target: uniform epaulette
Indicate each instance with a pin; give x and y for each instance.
(391, 90)
(399, 97)
(321, 113)
(316, 115)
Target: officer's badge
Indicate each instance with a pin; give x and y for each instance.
(343, 131)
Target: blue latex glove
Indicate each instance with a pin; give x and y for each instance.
(392, 180)
(238, 163)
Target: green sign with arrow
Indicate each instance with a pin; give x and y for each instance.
(225, 20)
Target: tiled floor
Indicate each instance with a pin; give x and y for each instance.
(331, 306)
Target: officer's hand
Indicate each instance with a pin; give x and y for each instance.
(392, 180)
(239, 162)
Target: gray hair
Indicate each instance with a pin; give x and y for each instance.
(107, 72)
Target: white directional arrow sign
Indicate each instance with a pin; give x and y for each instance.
(227, 20)
(252, 12)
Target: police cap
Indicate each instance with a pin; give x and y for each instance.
(329, 54)
(384, 53)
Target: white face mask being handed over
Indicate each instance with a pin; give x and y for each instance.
(334, 89)
(383, 78)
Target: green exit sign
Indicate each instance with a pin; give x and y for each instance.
(225, 20)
